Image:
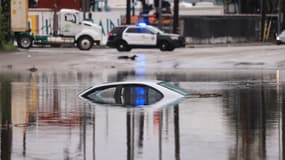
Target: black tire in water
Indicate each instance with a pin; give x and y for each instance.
(163, 46)
(123, 46)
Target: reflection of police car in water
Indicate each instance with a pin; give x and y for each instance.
(126, 37)
(134, 93)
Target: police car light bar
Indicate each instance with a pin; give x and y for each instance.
(141, 24)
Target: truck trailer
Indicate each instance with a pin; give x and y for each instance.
(50, 27)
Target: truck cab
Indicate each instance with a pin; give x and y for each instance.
(85, 33)
(68, 27)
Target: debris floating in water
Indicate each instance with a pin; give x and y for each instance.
(128, 57)
(203, 95)
(33, 69)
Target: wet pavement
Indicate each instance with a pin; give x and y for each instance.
(213, 58)
(42, 118)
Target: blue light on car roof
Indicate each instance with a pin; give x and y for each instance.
(140, 91)
(142, 24)
(140, 97)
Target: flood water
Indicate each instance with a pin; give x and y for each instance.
(42, 118)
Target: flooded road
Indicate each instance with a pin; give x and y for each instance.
(42, 118)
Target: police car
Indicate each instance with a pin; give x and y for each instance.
(126, 37)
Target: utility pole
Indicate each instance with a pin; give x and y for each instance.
(176, 17)
(128, 12)
(106, 6)
(239, 6)
(85, 7)
(262, 15)
(83, 3)
(159, 12)
(96, 5)
(133, 7)
(279, 17)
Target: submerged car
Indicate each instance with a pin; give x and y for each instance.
(126, 37)
(280, 38)
(134, 93)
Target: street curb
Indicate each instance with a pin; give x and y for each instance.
(229, 45)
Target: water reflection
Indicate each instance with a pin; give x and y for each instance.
(5, 108)
(254, 114)
(42, 119)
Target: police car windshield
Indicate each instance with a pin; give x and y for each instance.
(155, 30)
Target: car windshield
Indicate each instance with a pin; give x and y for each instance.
(155, 30)
(174, 88)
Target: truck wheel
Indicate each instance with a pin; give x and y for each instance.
(163, 46)
(25, 42)
(123, 46)
(85, 43)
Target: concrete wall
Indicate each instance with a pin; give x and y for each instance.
(225, 29)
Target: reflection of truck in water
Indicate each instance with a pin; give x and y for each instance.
(45, 27)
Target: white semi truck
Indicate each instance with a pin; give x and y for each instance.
(52, 28)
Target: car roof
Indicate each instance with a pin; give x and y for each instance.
(132, 25)
(145, 82)
(107, 84)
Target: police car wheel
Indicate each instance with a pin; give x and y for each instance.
(170, 48)
(163, 46)
(123, 46)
